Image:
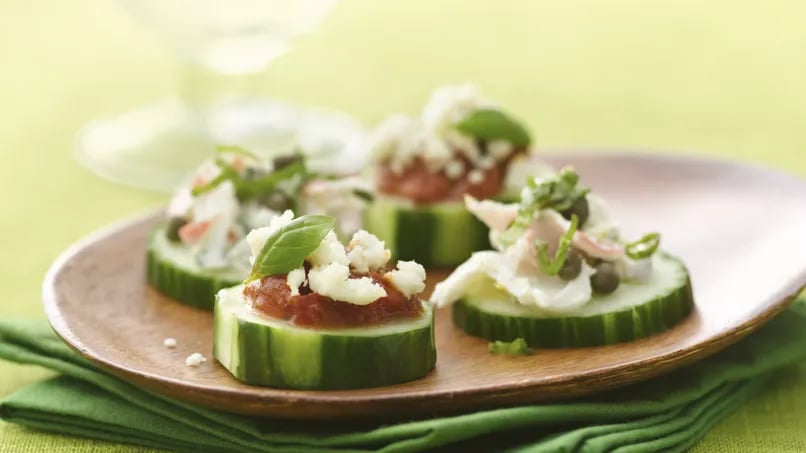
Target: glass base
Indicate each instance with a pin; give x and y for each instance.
(158, 145)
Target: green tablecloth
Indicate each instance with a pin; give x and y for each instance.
(720, 77)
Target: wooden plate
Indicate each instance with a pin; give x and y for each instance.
(740, 228)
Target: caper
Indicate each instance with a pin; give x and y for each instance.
(605, 280)
(580, 208)
(172, 230)
(284, 161)
(276, 201)
(572, 266)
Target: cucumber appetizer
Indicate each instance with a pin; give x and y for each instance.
(314, 314)
(461, 144)
(561, 275)
(201, 248)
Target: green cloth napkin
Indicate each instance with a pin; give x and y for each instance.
(666, 414)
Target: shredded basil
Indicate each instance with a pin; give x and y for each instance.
(287, 248)
(559, 193)
(364, 195)
(227, 173)
(236, 150)
(515, 347)
(247, 188)
(644, 247)
(552, 266)
(490, 124)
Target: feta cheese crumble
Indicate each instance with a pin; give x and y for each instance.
(332, 264)
(433, 137)
(169, 343)
(409, 277)
(295, 279)
(333, 280)
(366, 251)
(195, 359)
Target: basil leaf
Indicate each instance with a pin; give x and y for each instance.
(286, 249)
(236, 150)
(552, 266)
(516, 347)
(489, 124)
(644, 247)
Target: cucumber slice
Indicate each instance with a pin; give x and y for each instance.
(440, 234)
(633, 311)
(262, 351)
(172, 269)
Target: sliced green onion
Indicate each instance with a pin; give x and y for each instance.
(364, 195)
(236, 150)
(227, 173)
(644, 247)
(552, 266)
(517, 346)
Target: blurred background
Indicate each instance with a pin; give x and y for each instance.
(722, 78)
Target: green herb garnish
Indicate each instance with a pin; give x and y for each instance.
(515, 347)
(247, 188)
(490, 124)
(552, 266)
(287, 248)
(364, 195)
(236, 150)
(559, 194)
(227, 173)
(644, 247)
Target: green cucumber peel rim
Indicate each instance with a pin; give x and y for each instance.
(490, 124)
(287, 248)
(552, 266)
(644, 247)
(517, 346)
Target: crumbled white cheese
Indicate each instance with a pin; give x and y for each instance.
(169, 343)
(295, 279)
(454, 169)
(475, 177)
(257, 238)
(333, 280)
(432, 137)
(329, 251)
(195, 359)
(499, 149)
(486, 162)
(449, 104)
(219, 201)
(464, 144)
(397, 140)
(367, 252)
(435, 152)
(409, 277)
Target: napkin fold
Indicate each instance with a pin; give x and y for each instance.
(669, 413)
